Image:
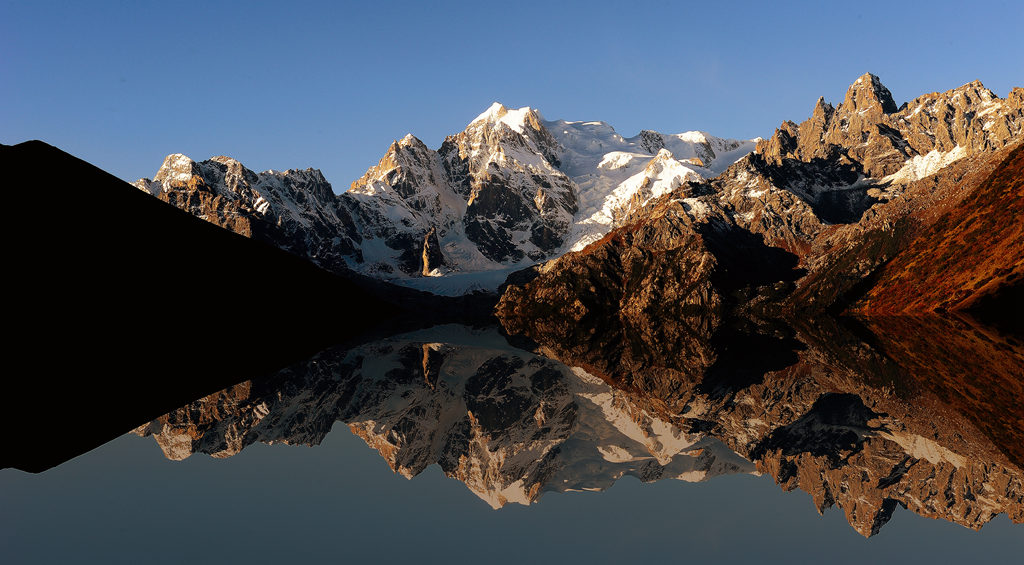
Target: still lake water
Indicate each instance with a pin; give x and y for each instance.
(449, 444)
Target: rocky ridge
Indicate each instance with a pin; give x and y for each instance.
(798, 224)
(295, 210)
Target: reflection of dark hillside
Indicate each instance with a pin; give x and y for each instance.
(973, 368)
(834, 426)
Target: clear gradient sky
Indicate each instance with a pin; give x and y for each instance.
(329, 85)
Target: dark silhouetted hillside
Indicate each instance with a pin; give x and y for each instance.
(120, 307)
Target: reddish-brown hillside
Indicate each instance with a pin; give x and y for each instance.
(974, 250)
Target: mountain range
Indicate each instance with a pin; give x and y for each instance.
(811, 212)
(676, 276)
(573, 233)
(508, 191)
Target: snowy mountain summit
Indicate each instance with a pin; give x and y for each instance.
(617, 175)
(508, 191)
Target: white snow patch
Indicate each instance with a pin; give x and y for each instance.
(617, 160)
(176, 168)
(695, 208)
(921, 166)
(514, 119)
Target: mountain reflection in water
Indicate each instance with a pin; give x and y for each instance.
(919, 413)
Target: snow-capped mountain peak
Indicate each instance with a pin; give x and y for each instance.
(518, 120)
(663, 155)
(410, 140)
(176, 168)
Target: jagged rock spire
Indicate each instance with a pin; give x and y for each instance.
(866, 93)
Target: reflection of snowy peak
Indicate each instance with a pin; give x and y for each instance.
(509, 190)
(509, 424)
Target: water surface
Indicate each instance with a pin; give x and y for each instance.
(449, 443)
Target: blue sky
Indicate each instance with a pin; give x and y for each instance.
(330, 84)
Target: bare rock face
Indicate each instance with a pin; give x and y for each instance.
(599, 283)
(414, 173)
(698, 252)
(433, 259)
(651, 141)
(843, 160)
(859, 125)
(679, 258)
(397, 203)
